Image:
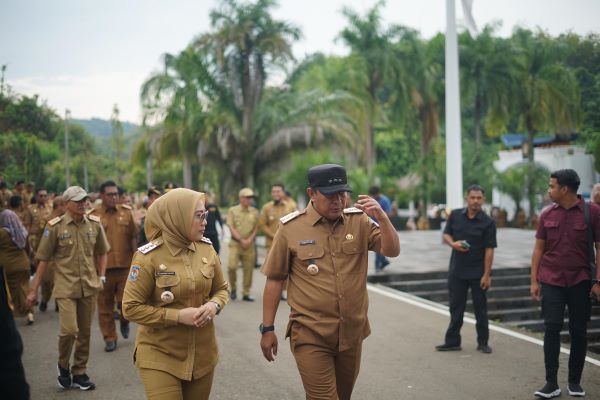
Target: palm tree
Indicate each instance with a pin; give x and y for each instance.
(547, 94)
(175, 97)
(245, 44)
(487, 78)
(372, 44)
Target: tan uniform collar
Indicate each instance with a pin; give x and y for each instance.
(176, 250)
(314, 217)
(109, 210)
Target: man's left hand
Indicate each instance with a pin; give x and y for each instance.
(595, 291)
(370, 206)
(485, 282)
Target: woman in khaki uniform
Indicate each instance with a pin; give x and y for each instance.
(174, 290)
(13, 257)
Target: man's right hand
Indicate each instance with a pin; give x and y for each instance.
(535, 291)
(32, 298)
(268, 344)
(457, 245)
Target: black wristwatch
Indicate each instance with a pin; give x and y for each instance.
(264, 329)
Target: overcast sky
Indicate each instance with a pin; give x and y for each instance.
(88, 55)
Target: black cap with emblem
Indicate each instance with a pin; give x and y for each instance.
(328, 179)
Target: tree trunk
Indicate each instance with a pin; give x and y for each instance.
(187, 171)
(370, 159)
(149, 172)
(530, 171)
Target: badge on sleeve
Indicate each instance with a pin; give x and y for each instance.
(133, 274)
(46, 232)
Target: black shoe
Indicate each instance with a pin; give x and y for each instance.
(43, 306)
(83, 382)
(233, 295)
(448, 347)
(248, 298)
(110, 346)
(30, 319)
(549, 391)
(484, 348)
(125, 329)
(64, 378)
(576, 390)
(283, 296)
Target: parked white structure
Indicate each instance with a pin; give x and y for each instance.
(552, 158)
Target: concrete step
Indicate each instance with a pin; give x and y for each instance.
(593, 334)
(442, 283)
(441, 295)
(537, 325)
(384, 278)
(514, 314)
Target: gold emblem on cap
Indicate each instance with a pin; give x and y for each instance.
(312, 269)
(162, 267)
(204, 260)
(349, 236)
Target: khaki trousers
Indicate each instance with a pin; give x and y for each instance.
(113, 289)
(160, 385)
(48, 282)
(75, 319)
(327, 374)
(248, 259)
(18, 284)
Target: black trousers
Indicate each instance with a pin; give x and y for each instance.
(458, 289)
(554, 300)
(214, 238)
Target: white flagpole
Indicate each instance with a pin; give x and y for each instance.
(454, 179)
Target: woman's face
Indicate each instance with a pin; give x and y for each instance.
(198, 222)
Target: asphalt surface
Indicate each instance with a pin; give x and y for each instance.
(399, 360)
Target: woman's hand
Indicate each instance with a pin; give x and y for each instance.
(186, 316)
(204, 314)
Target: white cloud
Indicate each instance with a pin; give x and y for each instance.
(87, 96)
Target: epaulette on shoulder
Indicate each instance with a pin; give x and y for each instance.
(148, 247)
(54, 221)
(94, 218)
(206, 240)
(287, 218)
(126, 206)
(352, 210)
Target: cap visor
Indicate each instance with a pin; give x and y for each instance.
(327, 190)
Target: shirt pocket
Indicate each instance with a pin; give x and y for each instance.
(307, 253)
(580, 232)
(90, 238)
(352, 251)
(65, 247)
(208, 273)
(551, 228)
(171, 283)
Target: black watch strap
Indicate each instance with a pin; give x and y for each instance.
(264, 329)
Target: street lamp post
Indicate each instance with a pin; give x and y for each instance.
(67, 161)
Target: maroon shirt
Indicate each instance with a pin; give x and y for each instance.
(565, 259)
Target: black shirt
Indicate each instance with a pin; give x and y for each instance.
(212, 218)
(480, 233)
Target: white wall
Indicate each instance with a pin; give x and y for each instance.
(553, 158)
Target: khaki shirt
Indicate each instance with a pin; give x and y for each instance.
(269, 218)
(4, 198)
(73, 246)
(330, 307)
(120, 227)
(12, 258)
(194, 276)
(36, 220)
(244, 220)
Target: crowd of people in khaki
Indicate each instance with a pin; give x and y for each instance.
(160, 270)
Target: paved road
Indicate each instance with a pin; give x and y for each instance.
(398, 359)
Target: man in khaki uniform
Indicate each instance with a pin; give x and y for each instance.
(59, 207)
(269, 218)
(35, 220)
(73, 241)
(119, 224)
(5, 195)
(242, 221)
(323, 252)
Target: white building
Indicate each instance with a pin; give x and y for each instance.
(553, 158)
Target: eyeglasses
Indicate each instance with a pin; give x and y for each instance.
(202, 215)
(113, 194)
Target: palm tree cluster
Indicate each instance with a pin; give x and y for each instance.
(215, 107)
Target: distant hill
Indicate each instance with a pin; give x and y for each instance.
(101, 128)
